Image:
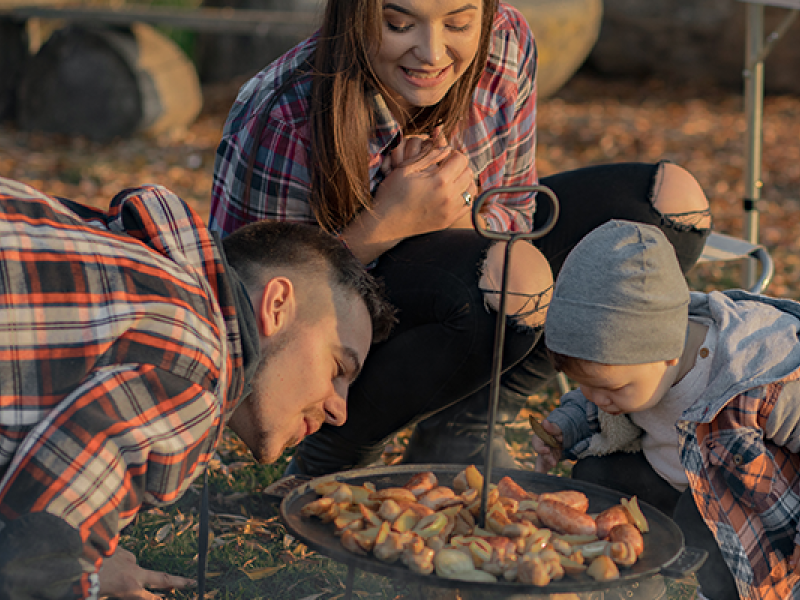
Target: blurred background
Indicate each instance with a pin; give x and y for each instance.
(87, 109)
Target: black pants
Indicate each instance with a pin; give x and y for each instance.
(631, 474)
(441, 351)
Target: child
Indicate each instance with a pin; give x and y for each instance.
(690, 401)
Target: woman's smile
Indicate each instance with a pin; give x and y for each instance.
(426, 78)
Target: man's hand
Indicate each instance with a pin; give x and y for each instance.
(546, 456)
(794, 562)
(120, 577)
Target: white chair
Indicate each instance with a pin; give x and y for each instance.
(721, 247)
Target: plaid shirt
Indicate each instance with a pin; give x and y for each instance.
(500, 136)
(748, 490)
(742, 465)
(120, 355)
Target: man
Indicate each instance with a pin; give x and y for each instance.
(128, 340)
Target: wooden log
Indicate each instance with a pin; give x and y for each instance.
(13, 54)
(225, 57)
(103, 82)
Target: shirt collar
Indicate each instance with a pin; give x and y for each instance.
(246, 318)
(387, 129)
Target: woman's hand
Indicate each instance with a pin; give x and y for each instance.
(120, 577)
(423, 191)
(547, 457)
(411, 148)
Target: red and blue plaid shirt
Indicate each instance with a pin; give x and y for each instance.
(500, 137)
(120, 355)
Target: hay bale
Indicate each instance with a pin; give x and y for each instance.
(565, 32)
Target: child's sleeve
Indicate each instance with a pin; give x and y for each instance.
(577, 419)
(783, 424)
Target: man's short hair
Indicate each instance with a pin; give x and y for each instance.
(266, 246)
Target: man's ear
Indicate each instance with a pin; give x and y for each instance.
(278, 306)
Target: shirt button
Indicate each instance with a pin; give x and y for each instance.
(737, 459)
(703, 352)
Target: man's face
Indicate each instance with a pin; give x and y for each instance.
(303, 378)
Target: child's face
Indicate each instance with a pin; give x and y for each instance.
(620, 389)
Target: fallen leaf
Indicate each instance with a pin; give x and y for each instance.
(163, 534)
(257, 574)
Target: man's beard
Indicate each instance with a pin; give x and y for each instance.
(314, 414)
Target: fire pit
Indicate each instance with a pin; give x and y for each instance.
(664, 554)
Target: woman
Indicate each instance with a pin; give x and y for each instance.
(381, 128)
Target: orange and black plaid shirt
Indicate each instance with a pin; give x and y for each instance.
(120, 355)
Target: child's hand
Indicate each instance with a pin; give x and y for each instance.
(547, 457)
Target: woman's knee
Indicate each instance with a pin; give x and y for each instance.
(529, 287)
(678, 196)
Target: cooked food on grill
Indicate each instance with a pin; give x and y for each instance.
(529, 538)
(610, 518)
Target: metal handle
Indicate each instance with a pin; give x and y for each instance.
(688, 561)
(499, 334)
(512, 236)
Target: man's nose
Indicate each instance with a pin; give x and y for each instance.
(336, 410)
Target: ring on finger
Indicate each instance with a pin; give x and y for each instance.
(467, 198)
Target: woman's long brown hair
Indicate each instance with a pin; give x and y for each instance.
(340, 110)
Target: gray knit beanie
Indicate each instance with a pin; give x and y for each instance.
(620, 298)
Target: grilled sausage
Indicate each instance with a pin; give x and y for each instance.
(573, 498)
(564, 518)
(609, 518)
(628, 533)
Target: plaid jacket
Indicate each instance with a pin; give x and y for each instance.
(120, 355)
(500, 137)
(739, 442)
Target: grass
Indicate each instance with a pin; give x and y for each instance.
(251, 554)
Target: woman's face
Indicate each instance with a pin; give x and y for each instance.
(426, 46)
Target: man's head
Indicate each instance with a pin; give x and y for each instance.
(619, 314)
(317, 312)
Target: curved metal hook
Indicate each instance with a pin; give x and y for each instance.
(506, 235)
(499, 335)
